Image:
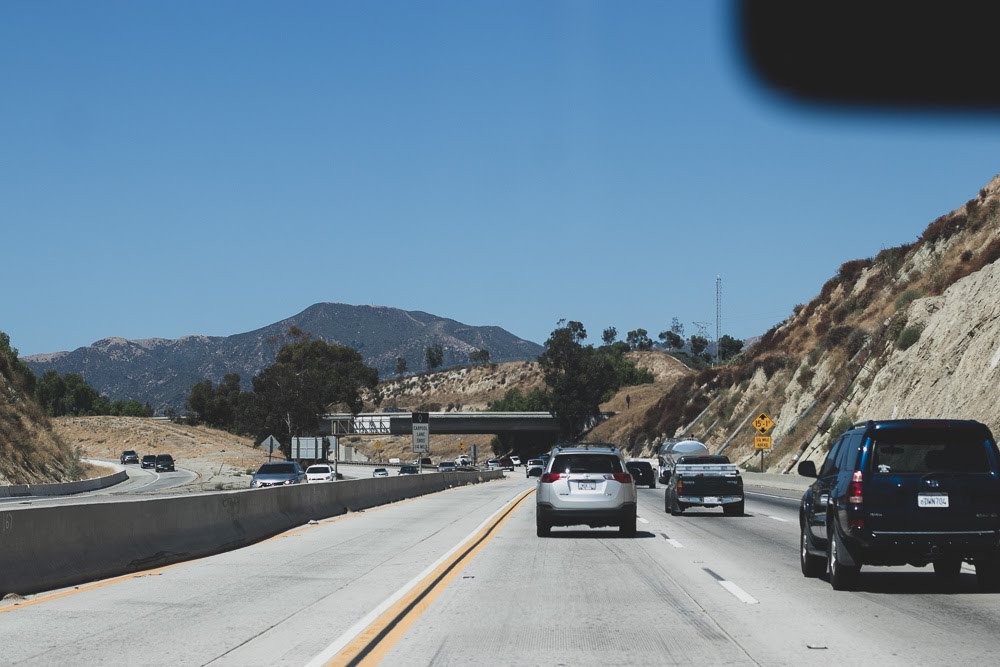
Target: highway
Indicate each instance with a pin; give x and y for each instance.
(697, 589)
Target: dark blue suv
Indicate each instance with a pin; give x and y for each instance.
(910, 491)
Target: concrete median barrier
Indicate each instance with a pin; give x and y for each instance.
(63, 488)
(51, 547)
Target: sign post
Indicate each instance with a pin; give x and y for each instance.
(270, 443)
(762, 442)
(421, 428)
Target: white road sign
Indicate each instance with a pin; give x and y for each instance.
(421, 438)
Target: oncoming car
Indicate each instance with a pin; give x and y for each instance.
(319, 472)
(277, 473)
(585, 485)
(148, 461)
(129, 456)
(408, 470)
(164, 463)
(380, 472)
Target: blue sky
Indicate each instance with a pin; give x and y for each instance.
(183, 168)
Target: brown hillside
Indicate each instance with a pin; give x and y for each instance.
(910, 332)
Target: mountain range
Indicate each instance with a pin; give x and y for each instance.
(161, 372)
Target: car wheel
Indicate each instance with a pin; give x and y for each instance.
(627, 527)
(812, 566)
(842, 577)
(542, 529)
(675, 506)
(733, 509)
(988, 573)
(652, 484)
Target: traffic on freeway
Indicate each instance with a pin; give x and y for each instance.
(461, 577)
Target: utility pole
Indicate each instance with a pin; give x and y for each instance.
(718, 315)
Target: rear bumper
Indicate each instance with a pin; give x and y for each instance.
(700, 500)
(593, 517)
(897, 548)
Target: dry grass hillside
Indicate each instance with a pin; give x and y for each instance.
(30, 452)
(911, 332)
(466, 388)
(191, 446)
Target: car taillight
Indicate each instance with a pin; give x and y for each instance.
(549, 477)
(622, 477)
(854, 496)
(680, 486)
(739, 484)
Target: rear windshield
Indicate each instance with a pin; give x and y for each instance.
(318, 469)
(586, 463)
(644, 465)
(929, 450)
(164, 457)
(408, 469)
(277, 469)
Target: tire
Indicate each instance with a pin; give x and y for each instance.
(652, 484)
(947, 570)
(812, 566)
(675, 506)
(842, 577)
(733, 509)
(627, 527)
(542, 529)
(988, 574)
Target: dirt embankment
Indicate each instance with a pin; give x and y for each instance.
(220, 459)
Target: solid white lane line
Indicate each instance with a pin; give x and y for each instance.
(776, 518)
(738, 592)
(674, 543)
(641, 519)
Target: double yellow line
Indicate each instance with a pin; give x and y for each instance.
(375, 641)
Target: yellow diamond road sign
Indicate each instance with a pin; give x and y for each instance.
(763, 423)
(762, 442)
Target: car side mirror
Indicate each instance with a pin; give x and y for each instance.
(807, 469)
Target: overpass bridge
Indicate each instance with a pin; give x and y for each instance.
(459, 423)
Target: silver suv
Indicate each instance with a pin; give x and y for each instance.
(585, 485)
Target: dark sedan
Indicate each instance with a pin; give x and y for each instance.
(642, 472)
(164, 463)
(129, 456)
(148, 461)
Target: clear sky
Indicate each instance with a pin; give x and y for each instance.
(190, 167)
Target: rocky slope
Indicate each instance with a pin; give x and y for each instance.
(911, 332)
(162, 372)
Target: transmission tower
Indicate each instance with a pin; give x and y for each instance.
(703, 328)
(718, 314)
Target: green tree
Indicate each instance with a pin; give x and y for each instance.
(638, 339)
(400, 365)
(729, 347)
(609, 335)
(480, 356)
(434, 356)
(578, 378)
(698, 344)
(304, 379)
(677, 328)
(671, 340)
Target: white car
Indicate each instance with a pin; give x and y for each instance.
(319, 473)
(380, 472)
(586, 485)
(516, 460)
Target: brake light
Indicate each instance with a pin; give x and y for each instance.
(549, 477)
(623, 477)
(739, 484)
(680, 486)
(856, 524)
(854, 496)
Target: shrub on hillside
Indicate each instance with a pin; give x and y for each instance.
(890, 260)
(837, 336)
(943, 228)
(806, 376)
(906, 298)
(907, 337)
(855, 341)
(849, 272)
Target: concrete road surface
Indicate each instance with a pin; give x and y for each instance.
(700, 589)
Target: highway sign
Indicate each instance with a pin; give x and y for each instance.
(421, 438)
(762, 442)
(270, 444)
(763, 423)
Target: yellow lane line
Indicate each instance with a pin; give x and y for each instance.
(375, 641)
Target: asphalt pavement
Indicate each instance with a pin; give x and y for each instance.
(701, 588)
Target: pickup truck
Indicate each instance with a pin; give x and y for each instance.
(703, 481)
(907, 491)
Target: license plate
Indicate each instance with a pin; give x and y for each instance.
(932, 500)
(710, 499)
(587, 486)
